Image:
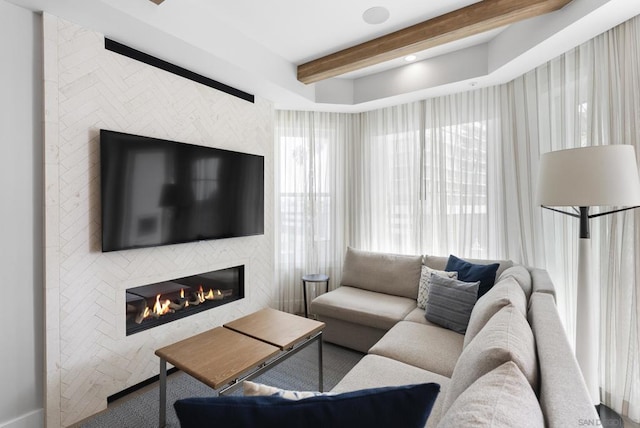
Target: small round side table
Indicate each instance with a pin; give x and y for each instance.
(316, 277)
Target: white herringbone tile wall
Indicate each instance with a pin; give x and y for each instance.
(87, 88)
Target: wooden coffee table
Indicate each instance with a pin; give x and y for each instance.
(276, 327)
(240, 350)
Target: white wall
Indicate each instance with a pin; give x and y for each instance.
(87, 88)
(21, 190)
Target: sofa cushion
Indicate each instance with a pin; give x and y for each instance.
(423, 286)
(406, 405)
(439, 263)
(506, 291)
(417, 316)
(521, 275)
(393, 274)
(365, 307)
(374, 371)
(429, 347)
(345, 333)
(501, 398)
(450, 302)
(472, 272)
(506, 337)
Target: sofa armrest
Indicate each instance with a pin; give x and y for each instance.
(564, 398)
(541, 282)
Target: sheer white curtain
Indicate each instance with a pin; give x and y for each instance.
(385, 179)
(617, 107)
(421, 177)
(457, 174)
(311, 202)
(460, 157)
(588, 96)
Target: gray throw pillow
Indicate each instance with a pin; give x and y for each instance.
(423, 286)
(450, 302)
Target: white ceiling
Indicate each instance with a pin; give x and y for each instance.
(256, 45)
(301, 31)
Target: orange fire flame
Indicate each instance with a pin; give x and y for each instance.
(213, 295)
(161, 308)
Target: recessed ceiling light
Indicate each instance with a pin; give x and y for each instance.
(375, 15)
(410, 58)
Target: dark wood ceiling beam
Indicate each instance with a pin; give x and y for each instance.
(473, 19)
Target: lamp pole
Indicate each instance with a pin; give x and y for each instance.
(587, 316)
(587, 311)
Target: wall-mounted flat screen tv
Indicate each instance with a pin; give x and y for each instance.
(158, 192)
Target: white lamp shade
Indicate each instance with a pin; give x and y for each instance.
(589, 176)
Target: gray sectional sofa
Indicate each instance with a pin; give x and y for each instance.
(512, 367)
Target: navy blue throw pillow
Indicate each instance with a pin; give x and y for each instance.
(471, 272)
(398, 406)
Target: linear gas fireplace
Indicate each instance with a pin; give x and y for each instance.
(152, 305)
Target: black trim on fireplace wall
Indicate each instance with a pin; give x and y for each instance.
(138, 386)
(132, 53)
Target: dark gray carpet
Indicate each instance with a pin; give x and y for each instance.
(299, 372)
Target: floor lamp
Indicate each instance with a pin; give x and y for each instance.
(582, 178)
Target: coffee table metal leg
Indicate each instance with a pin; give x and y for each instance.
(163, 393)
(320, 374)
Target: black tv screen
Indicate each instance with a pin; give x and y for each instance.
(159, 192)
